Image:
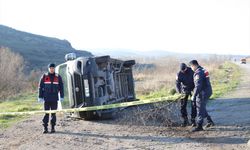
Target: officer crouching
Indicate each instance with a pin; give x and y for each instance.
(50, 86)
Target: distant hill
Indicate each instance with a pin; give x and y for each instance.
(37, 50)
(155, 54)
(120, 53)
(129, 53)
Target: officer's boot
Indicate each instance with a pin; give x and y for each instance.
(197, 128)
(53, 129)
(185, 122)
(45, 128)
(193, 123)
(210, 122)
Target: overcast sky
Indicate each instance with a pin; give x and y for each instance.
(190, 26)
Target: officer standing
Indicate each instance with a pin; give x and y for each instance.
(202, 92)
(184, 85)
(49, 87)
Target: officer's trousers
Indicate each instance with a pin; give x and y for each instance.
(201, 103)
(184, 108)
(50, 106)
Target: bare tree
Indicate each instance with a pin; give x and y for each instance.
(11, 73)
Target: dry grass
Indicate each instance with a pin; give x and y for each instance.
(163, 76)
(160, 80)
(154, 79)
(157, 114)
(13, 80)
(11, 73)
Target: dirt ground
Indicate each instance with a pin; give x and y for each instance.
(231, 115)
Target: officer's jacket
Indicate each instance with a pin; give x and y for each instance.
(49, 87)
(185, 81)
(203, 88)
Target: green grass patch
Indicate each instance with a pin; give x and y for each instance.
(8, 120)
(18, 103)
(164, 92)
(223, 79)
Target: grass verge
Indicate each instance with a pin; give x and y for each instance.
(18, 103)
(223, 79)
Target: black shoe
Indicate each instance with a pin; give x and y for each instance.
(185, 123)
(193, 123)
(53, 129)
(209, 124)
(45, 132)
(45, 129)
(198, 128)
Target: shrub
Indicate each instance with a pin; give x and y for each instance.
(11, 73)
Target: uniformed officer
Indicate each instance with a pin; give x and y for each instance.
(202, 92)
(50, 86)
(184, 85)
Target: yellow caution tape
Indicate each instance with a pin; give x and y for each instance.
(93, 108)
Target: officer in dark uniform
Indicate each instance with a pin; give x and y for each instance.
(202, 92)
(184, 85)
(49, 87)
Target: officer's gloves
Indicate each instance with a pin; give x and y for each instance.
(193, 98)
(41, 100)
(61, 99)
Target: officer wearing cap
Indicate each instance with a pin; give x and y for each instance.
(202, 92)
(184, 85)
(50, 91)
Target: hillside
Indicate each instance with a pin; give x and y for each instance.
(121, 53)
(37, 50)
(155, 54)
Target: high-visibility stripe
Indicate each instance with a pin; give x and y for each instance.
(50, 83)
(47, 78)
(206, 73)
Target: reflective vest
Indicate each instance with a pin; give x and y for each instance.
(47, 79)
(51, 87)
